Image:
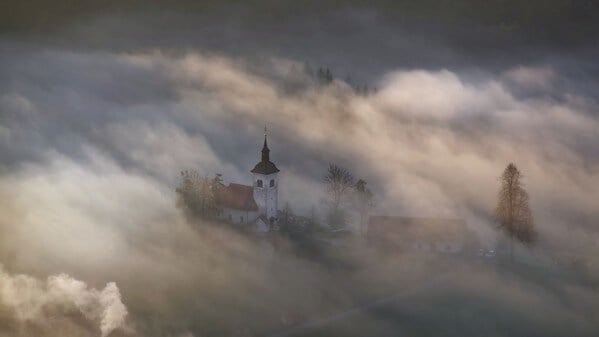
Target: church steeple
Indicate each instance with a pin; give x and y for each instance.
(265, 166)
(266, 185)
(265, 149)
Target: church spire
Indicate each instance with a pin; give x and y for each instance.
(265, 166)
(265, 149)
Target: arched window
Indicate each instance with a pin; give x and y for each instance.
(272, 183)
(259, 183)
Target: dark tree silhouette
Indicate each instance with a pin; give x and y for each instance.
(324, 76)
(308, 69)
(339, 183)
(513, 211)
(285, 218)
(363, 199)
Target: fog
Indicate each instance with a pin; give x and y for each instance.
(101, 111)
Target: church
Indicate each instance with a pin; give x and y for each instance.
(257, 204)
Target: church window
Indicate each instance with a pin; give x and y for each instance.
(259, 183)
(272, 183)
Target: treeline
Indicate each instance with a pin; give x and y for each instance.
(323, 76)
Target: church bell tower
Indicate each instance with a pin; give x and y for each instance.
(266, 184)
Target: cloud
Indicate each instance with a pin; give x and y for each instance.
(532, 78)
(93, 140)
(406, 138)
(50, 304)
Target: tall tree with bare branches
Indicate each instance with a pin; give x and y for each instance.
(513, 210)
(339, 183)
(197, 194)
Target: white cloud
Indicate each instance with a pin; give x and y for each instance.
(31, 300)
(531, 77)
(101, 188)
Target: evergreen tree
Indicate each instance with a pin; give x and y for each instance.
(324, 76)
(308, 69)
(328, 75)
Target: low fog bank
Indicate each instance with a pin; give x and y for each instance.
(93, 138)
(430, 143)
(91, 163)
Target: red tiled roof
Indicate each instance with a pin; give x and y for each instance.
(237, 196)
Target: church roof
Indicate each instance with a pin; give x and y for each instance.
(237, 196)
(265, 166)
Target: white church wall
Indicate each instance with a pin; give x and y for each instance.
(238, 216)
(266, 197)
(449, 247)
(261, 227)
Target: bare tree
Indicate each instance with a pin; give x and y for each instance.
(363, 199)
(216, 183)
(339, 183)
(197, 194)
(513, 211)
